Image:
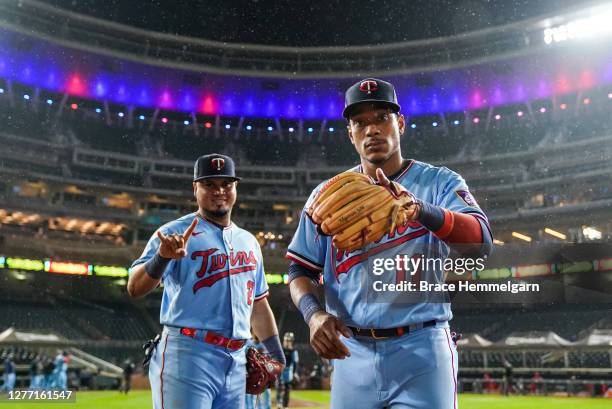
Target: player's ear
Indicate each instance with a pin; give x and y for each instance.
(195, 189)
(401, 123)
(350, 132)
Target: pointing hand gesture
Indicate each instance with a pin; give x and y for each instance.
(173, 245)
(381, 178)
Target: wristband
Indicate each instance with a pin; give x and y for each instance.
(156, 266)
(308, 305)
(274, 348)
(431, 217)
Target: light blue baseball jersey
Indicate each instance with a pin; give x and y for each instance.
(348, 277)
(215, 285)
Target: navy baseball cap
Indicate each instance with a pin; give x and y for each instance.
(214, 166)
(370, 90)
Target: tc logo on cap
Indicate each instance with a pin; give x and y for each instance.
(368, 86)
(219, 163)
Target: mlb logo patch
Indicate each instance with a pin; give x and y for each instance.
(467, 197)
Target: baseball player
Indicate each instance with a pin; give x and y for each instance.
(386, 354)
(60, 376)
(9, 374)
(214, 291)
(289, 374)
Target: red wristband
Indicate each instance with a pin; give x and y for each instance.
(447, 227)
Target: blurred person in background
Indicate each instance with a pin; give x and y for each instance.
(128, 371)
(9, 374)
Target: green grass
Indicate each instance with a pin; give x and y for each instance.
(142, 399)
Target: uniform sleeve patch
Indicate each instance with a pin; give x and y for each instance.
(467, 197)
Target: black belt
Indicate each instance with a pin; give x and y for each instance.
(378, 333)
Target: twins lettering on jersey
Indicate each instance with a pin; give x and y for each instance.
(239, 262)
(345, 260)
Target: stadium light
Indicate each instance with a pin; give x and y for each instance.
(555, 233)
(520, 236)
(586, 101)
(164, 120)
(141, 117)
(74, 106)
(563, 106)
(413, 126)
(291, 130)
(519, 114)
(591, 233)
(49, 102)
(1, 90)
(110, 271)
(26, 96)
(25, 264)
(61, 267)
(542, 110)
(476, 120)
(98, 110)
(434, 124)
(207, 125)
(310, 130)
(249, 127)
(227, 126)
(456, 122)
(609, 95)
(497, 117)
(331, 129)
(185, 122)
(120, 114)
(270, 129)
(596, 25)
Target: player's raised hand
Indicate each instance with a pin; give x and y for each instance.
(324, 336)
(174, 245)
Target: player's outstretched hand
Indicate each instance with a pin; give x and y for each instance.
(324, 336)
(173, 245)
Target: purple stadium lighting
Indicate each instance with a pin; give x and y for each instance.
(455, 89)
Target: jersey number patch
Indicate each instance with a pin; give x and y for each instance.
(250, 288)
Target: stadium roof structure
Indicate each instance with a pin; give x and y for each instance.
(533, 338)
(597, 337)
(85, 57)
(473, 341)
(11, 336)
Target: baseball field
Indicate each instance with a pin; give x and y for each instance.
(320, 399)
